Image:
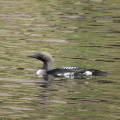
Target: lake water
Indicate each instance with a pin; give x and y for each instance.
(81, 33)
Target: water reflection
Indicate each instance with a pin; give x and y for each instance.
(49, 80)
(101, 31)
(107, 16)
(105, 8)
(91, 31)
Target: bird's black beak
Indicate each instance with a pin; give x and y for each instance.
(32, 56)
(35, 56)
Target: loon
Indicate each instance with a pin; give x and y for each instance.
(48, 68)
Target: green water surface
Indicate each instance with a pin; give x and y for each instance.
(83, 33)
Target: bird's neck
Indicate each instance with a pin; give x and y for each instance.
(48, 65)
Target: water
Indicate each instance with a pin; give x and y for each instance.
(76, 33)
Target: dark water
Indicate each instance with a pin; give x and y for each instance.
(76, 33)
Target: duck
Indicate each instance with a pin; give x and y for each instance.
(65, 71)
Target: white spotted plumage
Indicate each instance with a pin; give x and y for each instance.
(68, 67)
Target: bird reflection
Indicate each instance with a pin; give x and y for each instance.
(50, 79)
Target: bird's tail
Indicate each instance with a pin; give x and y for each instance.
(98, 72)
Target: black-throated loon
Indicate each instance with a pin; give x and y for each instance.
(48, 68)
